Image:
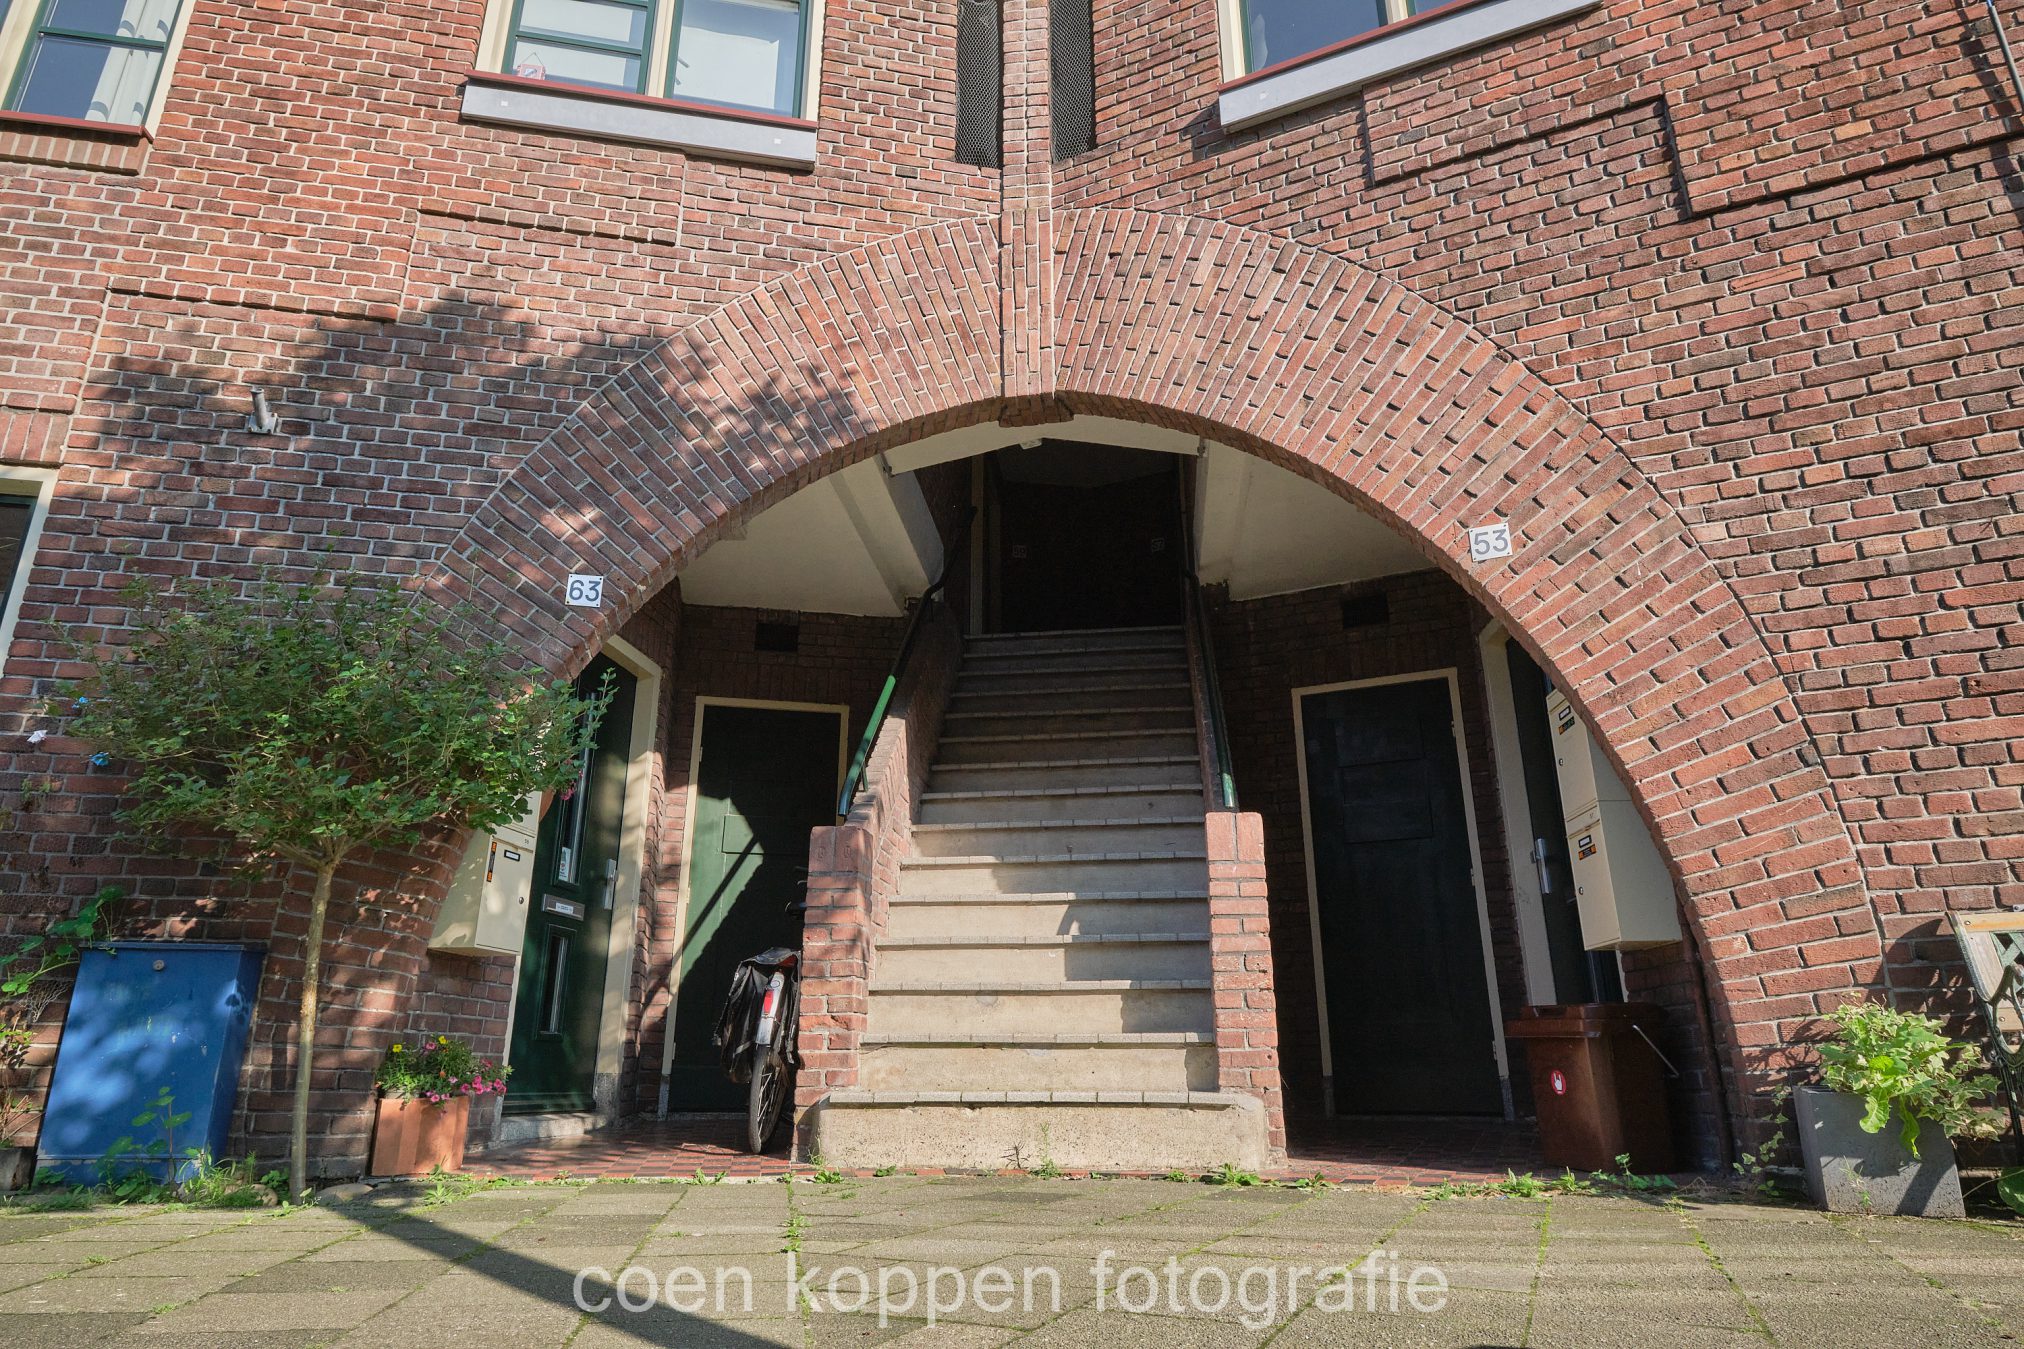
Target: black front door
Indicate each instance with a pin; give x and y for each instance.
(558, 1009)
(1105, 555)
(765, 777)
(1401, 945)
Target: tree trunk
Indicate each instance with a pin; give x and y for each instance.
(305, 1032)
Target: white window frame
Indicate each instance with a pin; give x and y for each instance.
(1437, 32)
(18, 32)
(660, 49)
(39, 483)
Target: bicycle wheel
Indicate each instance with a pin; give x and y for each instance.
(764, 1105)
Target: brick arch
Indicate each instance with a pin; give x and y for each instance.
(1306, 359)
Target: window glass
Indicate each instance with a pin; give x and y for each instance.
(1279, 30)
(92, 81)
(16, 513)
(594, 42)
(743, 52)
(619, 24)
(96, 60)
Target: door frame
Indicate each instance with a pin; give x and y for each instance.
(1451, 676)
(704, 702)
(1535, 951)
(632, 844)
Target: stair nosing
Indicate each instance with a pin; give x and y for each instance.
(860, 1096)
(1067, 669)
(1027, 859)
(1150, 821)
(1155, 1039)
(965, 941)
(1059, 897)
(1036, 793)
(1119, 734)
(1074, 712)
(960, 692)
(1062, 632)
(1121, 760)
(1044, 986)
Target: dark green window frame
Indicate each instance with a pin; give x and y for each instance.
(806, 8)
(42, 29)
(1251, 66)
(516, 31)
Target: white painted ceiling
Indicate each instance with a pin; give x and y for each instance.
(855, 542)
(1265, 531)
(862, 541)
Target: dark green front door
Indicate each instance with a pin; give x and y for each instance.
(765, 777)
(558, 1010)
(1409, 1025)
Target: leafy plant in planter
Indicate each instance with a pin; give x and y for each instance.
(425, 1095)
(437, 1070)
(1903, 1062)
(306, 725)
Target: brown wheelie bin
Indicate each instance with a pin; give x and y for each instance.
(1598, 1084)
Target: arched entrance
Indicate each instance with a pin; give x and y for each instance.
(1301, 358)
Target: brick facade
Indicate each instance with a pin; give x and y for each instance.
(1717, 307)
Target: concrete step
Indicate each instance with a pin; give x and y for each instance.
(1052, 721)
(959, 747)
(1111, 659)
(1165, 696)
(1183, 1061)
(1038, 957)
(1132, 800)
(1010, 773)
(1077, 640)
(1079, 1130)
(1146, 836)
(972, 875)
(993, 1008)
(983, 917)
(1040, 678)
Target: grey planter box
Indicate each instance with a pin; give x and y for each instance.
(1850, 1171)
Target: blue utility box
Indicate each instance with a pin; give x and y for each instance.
(145, 1016)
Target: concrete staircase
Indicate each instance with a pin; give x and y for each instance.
(1042, 989)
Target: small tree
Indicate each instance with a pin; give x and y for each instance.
(302, 725)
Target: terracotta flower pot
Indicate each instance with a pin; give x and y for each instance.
(413, 1138)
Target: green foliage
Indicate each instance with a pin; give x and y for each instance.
(1754, 1166)
(884, 1171)
(1314, 1184)
(1904, 1061)
(438, 1069)
(1179, 1175)
(300, 722)
(1513, 1186)
(145, 1172)
(2010, 1187)
(55, 949)
(1623, 1178)
(1231, 1174)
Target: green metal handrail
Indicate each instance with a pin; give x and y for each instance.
(1212, 690)
(862, 758)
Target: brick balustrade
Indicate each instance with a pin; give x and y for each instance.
(853, 870)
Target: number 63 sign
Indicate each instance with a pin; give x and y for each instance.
(584, 591)
(1489, 541)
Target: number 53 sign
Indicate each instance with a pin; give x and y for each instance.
(1489, 541)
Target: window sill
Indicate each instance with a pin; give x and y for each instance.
(728, 133)
(72, 142)
(1347, 66)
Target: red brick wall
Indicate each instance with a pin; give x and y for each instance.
(1718, 307)
(842, 660)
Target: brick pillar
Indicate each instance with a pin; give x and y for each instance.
(836, 944)
(1026, 207)
(1240, 949)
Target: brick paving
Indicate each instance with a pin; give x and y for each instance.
(1384, 1153)
(537, 1265)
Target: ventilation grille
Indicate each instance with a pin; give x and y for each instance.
(1072, 54)
(980, 83)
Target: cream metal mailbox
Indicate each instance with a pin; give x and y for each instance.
(1621, 887)
(485, 911)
